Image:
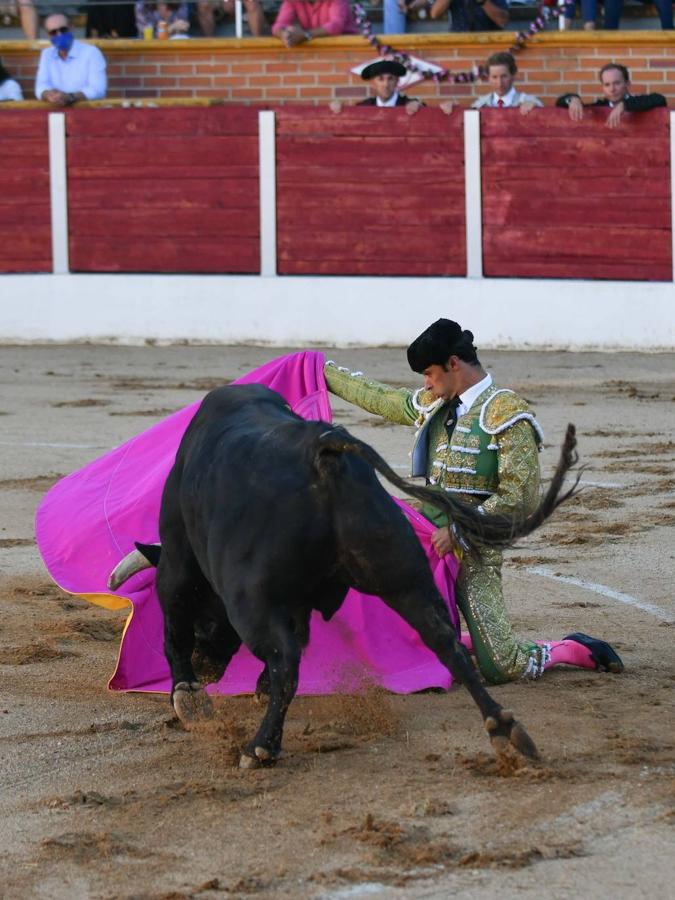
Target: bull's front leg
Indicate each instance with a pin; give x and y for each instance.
(425, 611)
(282, 657)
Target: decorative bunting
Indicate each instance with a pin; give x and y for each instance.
(543, 17)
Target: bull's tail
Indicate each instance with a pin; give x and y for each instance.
(474, 528)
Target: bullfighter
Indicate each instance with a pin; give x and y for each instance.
(480, 443)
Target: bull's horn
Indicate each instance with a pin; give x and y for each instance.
(133, 562)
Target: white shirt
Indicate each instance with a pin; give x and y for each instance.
(10, 90)
(512, 98)
(83, 70)
(468, 397)
(390, 102)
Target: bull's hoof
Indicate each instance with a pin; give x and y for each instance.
(191, 702)
(506, 732)
(257, 758)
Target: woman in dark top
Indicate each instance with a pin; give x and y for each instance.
(110, 20)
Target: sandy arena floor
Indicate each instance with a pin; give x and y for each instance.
(379, 796)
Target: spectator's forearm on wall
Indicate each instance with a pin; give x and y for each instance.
(439, 8)
(498, 15)
(644, 102)
(564, 101)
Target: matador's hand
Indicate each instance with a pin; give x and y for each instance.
(443, 541)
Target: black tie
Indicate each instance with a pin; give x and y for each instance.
(451, 416)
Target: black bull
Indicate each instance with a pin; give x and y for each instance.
(265, 517)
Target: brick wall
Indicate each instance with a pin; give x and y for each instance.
(259, 70)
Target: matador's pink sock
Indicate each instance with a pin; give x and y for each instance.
(569, 653)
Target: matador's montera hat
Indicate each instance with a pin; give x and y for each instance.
(437, 343)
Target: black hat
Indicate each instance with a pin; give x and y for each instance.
(437, 343)
(383, 67)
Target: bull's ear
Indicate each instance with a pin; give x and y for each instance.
(151, 552)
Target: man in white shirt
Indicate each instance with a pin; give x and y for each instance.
(69, 70)
(502, 71)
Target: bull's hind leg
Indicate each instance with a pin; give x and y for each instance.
(281, 651)
(216, 641)
(178, 585)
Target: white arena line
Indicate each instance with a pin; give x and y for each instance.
(602, 589)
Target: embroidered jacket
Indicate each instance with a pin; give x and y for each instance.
(492, 456)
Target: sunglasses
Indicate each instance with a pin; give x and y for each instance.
(64, 29)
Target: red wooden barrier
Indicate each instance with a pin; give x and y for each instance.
(370, 192)
(163, 190)
(576, 200)
(25, 225)
(367, 191)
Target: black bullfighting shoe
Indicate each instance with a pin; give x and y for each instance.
(604, 656)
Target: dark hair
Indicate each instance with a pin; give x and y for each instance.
(466, 350)
(4, 74)
(503, 59)
(623, 69)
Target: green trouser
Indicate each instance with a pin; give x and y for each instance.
(500, 654)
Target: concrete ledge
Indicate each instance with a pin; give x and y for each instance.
(289, 311)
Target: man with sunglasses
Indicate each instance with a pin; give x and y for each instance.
(69, 70)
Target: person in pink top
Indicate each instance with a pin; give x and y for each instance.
(303, 20)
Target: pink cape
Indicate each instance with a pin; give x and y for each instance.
(89, 520)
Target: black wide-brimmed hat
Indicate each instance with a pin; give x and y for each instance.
(437, 343)
(383, 67)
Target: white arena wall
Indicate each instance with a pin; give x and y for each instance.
(315, 311)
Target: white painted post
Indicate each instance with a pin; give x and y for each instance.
(472, 191)
(672, 187)
(268, 193)
(58, 190)
(238, 18)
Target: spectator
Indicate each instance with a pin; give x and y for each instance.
(472, 15)
(110, 20)
(615, 81)
(396, 13)
(614, 8)
(589, 13)
(501, 75)
(385, 74)
(303, 20)
(9, 89)
(26, 12)
(206, 15)
(149, 15)
(69, 70)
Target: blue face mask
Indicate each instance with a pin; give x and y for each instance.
(63, 42)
